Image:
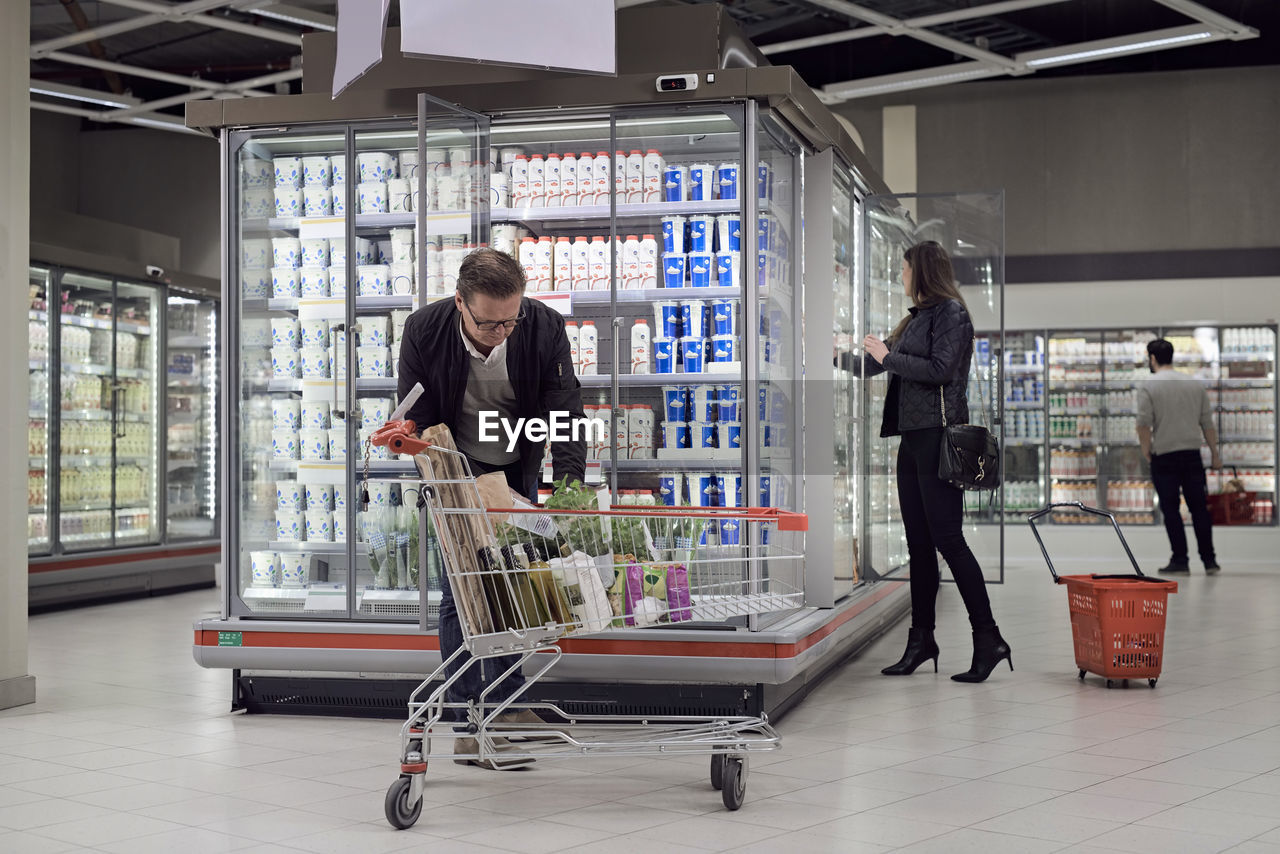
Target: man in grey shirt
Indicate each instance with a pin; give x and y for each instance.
(1173, 412)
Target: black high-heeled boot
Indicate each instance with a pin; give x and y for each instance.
(920, 648)
(988, 651)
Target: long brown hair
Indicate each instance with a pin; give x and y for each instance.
(933, 281)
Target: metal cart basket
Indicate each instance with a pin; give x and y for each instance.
(523, 579)
(1117, 621)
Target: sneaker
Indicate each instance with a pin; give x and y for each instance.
(467, 748)
(1175, 567)
(1212, 568)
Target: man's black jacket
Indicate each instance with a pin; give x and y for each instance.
(539, 366)
(933, 352)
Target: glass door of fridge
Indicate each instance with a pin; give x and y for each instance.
(1123, 476)
(1075, 421)
(1025, 465)
(1246, 415)
(87, 393)
(135, 406)
(191, 427)
(847, 320)
(39, 423)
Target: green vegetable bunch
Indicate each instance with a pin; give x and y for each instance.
(582, 533)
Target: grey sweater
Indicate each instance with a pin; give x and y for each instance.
(1176, 408)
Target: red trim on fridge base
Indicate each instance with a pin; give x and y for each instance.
(580, 646)
(109, 559)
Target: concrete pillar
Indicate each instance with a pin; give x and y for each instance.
(900, 148)
(17, 687)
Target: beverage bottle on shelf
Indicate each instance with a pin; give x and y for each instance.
(641, 348)
(630, 278)
(654, 171)
(579, 260)
(553, 180)
(528, 262)
(620, 176)
(635, 177)
(568, 179)
(648, 261)
(520, 182)
(537, 181)
(571, 332)
(598, 264)
(542, 256)
(561, 264)
(588, 349)
(600, 178)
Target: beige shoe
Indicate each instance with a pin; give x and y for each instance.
(529, 718)
(470, 747)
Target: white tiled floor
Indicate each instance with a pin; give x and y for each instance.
(130, 749)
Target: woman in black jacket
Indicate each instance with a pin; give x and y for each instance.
(927, 357)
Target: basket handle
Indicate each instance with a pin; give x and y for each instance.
(1076, 504)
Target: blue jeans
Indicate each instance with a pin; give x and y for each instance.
(470, 685)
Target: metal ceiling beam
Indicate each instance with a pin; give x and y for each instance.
(1234, 29)
(898, 27)
(151, 74)
(923, 21)
(233, 90)
(80, 93)
(289, 14)
(157, 16)
(152, 120)
(174, 13)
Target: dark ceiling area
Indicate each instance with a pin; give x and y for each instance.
(218, 55)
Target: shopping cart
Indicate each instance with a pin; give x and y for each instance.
(524, 578)
(1233, 507)
(1117, 621)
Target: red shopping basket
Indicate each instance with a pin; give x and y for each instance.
(1232, 508)
(1117, 621)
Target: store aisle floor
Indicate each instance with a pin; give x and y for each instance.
(130, 750)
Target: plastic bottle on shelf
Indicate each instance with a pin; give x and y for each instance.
(552, 180)
(568, 179)
(630, 278)
(520, 182)
(579, 260)
(542, 260)
(588, 349)
(598, 264)
(641, 347)
(635, 177)
(649, 261)
(537, 181)
(620, 176)
(600, 178)
(562, 264)
(528, 262)
(571, 332)
(654, 174)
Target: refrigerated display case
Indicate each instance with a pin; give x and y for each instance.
(98, 469)
(707, 407)
(191, 426)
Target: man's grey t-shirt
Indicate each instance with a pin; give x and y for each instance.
(1176, 408)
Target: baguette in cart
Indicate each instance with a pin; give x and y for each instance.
(523, 578)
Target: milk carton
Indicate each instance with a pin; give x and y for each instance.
(635, 177)
(641, 347)
(598, 264)
(528, 247)
(579, 260)
(630, 264)
(568, 180)
(588, 349)
(537, 181)
(542, 261)
(561, 264)
(640, 429)
(571, 332)
(620, 176)
(648, 259)
(654, 174)
(552, 180)
(600, 178)
(520, 181)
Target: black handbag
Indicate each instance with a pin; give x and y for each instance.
(969, 456)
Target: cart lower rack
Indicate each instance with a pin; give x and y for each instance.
(524, 578)
(1117, 621)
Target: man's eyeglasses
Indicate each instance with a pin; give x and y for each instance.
(491, 325)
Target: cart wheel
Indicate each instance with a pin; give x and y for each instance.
(1110, 684)
(735, 783)
(1082, 675)
(1151, 682)
(717, 771)
(400, 813)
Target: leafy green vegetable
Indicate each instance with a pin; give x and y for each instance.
(581, 533)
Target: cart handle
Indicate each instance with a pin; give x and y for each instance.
(1076, 504)
(399, 437)
(786, 520)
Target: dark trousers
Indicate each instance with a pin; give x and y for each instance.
(474, 680)
(933, 515)
(1182, 471)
